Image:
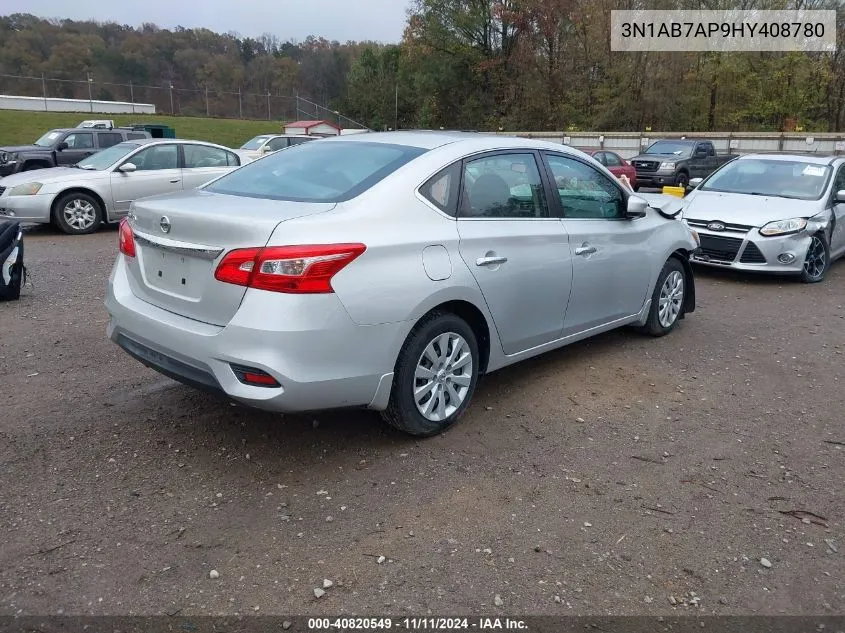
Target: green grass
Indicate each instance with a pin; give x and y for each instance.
(19, 127)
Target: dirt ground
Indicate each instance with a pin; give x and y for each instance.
(616, 476)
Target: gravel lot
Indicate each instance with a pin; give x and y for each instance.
(612, 477)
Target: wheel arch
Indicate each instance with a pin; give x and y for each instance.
(683, 255)
(476, 320)
(86, 191)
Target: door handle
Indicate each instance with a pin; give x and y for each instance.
(585, 249)
(490, 261)
(175, 180)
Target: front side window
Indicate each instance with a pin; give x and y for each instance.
(612, 160)
(585, 193)
(839, 183)
(79, 140)
(156, 157)
(767, 177)
(277, 143)
(199, 156)
(328, 171)
(503, 186)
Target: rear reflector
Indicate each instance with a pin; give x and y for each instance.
(289, 269)
(254, 377)
(126, 240)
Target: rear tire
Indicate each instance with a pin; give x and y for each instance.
(435, 377)
(667, 301)
(77, 213)
(816, 261)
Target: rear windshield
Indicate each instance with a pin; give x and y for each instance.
(324, 171)
(255, 143)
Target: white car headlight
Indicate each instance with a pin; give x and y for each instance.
(784, 227)
(667, 166)
(26, 189)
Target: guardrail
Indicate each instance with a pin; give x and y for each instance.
(629, 144)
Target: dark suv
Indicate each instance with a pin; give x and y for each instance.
(62, 147)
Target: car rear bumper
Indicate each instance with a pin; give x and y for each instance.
(752, 252)
(26, 208)
(309, 344)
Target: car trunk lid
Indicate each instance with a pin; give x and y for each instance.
(180, 239)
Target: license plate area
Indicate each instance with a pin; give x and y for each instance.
(174, 273)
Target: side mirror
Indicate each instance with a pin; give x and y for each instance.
(266, 149)
(61, 146)
(840, 196)
(694, 182)
(636, 207)
(127, 168)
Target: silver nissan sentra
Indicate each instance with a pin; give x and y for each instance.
(390, 271)
(776, 213)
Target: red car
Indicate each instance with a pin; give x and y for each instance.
(617, 165)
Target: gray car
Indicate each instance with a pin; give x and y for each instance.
(100, 188)
(390, 271)
(771, 213)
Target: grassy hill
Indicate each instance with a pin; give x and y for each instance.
(19, 127)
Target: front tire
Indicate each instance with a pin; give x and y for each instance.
(435, 377)
(77, 213)
(682, 180)
(817, 260)
(667, 301)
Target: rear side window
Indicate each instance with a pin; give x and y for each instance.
(329, 171)
(199, 156)
(442, 189)
(108, 139)
(278, 143)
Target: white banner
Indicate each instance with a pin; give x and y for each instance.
(725, 31)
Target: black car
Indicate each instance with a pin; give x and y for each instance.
(62, 147)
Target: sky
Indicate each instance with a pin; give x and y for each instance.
(342, 20)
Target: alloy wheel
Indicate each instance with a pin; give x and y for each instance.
(671, 299)
(443, 377)
(79, 214)
(816, 260)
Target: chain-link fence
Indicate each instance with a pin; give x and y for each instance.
(168, 98)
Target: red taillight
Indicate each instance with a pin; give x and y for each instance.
(125, 238)
(289, 269)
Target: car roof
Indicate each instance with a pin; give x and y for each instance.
(814, 159)
(161, 141)
(433, 139)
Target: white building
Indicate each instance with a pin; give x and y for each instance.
(51, 104)
(313, 128)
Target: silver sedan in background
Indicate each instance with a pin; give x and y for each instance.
(100, 188)
(390, 271)
(771, 213)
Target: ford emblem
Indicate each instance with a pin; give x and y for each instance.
(713, 226)
(164, 224)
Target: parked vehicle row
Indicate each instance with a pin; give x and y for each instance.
(63, 147)
(269, 143)
(390, 271)
(101, 188)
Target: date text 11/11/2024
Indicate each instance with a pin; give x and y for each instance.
(417, 624)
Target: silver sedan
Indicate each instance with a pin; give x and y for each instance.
(391, 271)
(101, 187)
(771, 213)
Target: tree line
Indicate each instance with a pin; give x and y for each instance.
(466, 64)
